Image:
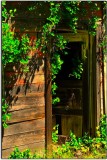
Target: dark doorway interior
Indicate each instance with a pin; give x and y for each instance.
(70, 92)
(70, 61)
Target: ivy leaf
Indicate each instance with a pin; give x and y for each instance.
(5, 125)
(24, 61)
(15, 10)
(52, 4)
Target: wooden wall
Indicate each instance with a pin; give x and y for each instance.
(105, 62)
(99, 74)
(27, 106)
(73, 123)
(26, 96)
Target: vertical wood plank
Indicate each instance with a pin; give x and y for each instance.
(48, 102)
(98, 73)
(73, 123)
(105, 66)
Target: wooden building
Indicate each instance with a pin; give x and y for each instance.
(82, 101)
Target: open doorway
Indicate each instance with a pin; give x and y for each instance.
(68, 112)
(71, 60)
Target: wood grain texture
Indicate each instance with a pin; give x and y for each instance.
(36, 78)
(31, 88)
(48, 102)
(26, 114)
(24, 127)
(73, 123)
(23, 138)
(30, 95)
(14, 69)
(32, 146)
(26, 95)
(24, 86)
(22, 107)
(29, 99)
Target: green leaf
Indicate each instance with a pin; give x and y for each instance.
(24, 61)
(15, 10)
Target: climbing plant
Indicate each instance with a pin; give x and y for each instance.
(72, 11)
(14, 50)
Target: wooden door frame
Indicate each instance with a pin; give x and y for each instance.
(89, 56)
(87, 49)
(83, 36)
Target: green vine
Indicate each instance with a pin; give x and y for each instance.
(14, 50)
(70, 11)
(5, 115)
(78, 69)
(73, 11)
(59, 43)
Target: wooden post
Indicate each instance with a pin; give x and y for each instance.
(105, 63)
(48, 104)
(98, 75)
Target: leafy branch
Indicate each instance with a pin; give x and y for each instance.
(14, 50)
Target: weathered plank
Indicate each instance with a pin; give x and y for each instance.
(25, 89)
(23, 138)
(22, 107)
(36, 78)
(22, 86)
(30, 95)
(26, 114)
(33, 146)
(29, 99)
(73, 123)
(24, 127)
(20, 78)
(38, 68)
(48, 102)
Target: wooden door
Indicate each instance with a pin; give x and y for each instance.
(68, 113)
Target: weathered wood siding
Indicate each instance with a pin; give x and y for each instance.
(73, 123)
(99, 74)
(105, 63)
(27, 106)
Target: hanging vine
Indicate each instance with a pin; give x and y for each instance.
(72, 11)
(15, 50)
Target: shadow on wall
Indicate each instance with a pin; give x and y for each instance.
(16, 80)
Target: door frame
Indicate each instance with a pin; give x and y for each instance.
(89, 113)
(87, 56)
